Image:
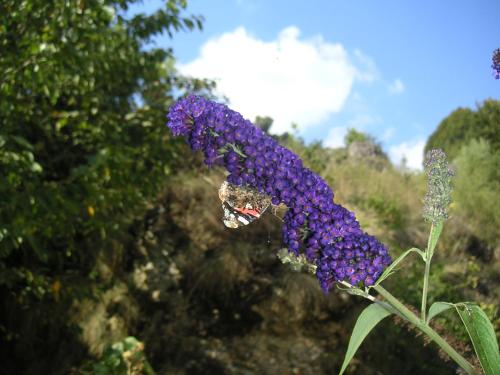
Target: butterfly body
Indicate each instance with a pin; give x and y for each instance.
(241, 204)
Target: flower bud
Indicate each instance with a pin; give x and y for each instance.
(438, 196)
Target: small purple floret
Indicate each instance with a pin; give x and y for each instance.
(328, 234)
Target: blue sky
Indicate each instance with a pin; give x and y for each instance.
(393, 69)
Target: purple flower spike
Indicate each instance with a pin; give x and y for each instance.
(496, 63)
(326, 233)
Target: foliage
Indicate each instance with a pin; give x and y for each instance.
(122, 358)
(264, 123)
(354, 135)
(367, 320)
(314, 155)
(79, 154)
(82, 141)
(381, 196)
(463, 125)
(477, 190)
(475, 320)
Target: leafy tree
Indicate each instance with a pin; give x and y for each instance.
(363, 144)
(463, 125)
(264, 123)
(477, 189)
(356, 136)
(82, 143)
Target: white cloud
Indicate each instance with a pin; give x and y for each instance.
(413, 152)
(335, 137)
(388, 133)
(397, 87)
(288, 79)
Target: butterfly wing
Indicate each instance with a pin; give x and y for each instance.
(241, 205)
(234, 218)
(229, 218)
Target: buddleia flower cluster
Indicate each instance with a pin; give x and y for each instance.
(438, 196)
(326, 233)
(496, 63)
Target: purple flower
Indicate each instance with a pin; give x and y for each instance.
(327, 233)
(496, 63)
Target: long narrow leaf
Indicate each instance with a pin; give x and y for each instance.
(434, 236)
(368, 319)
(390, 270)
(482, 335)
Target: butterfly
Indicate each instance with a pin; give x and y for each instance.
(241, 204)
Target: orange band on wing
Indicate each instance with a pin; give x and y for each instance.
(247, 211)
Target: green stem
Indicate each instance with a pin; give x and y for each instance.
(423, 311)
(422, 326)
(428, 257)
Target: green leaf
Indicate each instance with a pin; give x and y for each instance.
(434, 236)
(438, 308)
(237, 150)
(390, 270)
(22, 142)
(367, 320)
(482, 335)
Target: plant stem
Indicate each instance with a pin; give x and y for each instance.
(423, 310)
(359, 293)
(425, 328)
(428, 257)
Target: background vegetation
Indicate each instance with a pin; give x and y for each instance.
(110, 228)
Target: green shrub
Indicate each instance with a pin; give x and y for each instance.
(477, 190)
(122, 358)
(464, 125)
(80, 154)
(83, 150)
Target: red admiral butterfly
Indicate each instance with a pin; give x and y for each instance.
(241, 204)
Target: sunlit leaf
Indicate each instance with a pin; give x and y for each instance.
(434, 236)
(482, 335)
